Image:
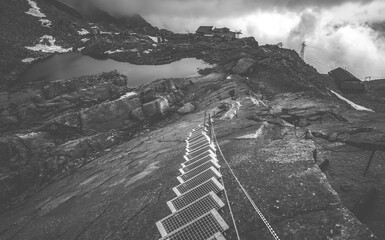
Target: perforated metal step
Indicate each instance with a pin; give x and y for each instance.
(197, 133)
(196, 143)
(217, 236)
(195, 171)
(189, 158)
(189, 148)
(195, 181)
(196, 137)
(194, 193)
(200, 151)
(189, 213)
(204, 227)
(188, 165)
(200, 126)
(199, 146)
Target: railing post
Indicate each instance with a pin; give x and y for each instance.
(204, 119)
(209, 123)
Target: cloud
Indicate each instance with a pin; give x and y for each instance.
(305, 28)
(344, 33)
(203, 8)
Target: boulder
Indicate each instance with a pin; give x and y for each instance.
(108, 115)
(243, 66)
(156, 107)
(187, 108)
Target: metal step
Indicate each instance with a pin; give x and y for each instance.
(203, 136)
(196, 133)
(200, 151)
(195, 171)
(189, 158)
(217, 236)
(188, 165)
(189, 213)
(197, 137)
(197, 180)
(202, 228)
(199, 148)
(193, 194)
(194, 146)
(200, 126)
(196, 158)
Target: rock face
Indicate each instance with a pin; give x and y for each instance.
(72, 120)
(131, 180)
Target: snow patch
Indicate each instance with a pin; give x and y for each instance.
(257, 102)
(84, 40)
(45, 23)
(83, 32)
(35, 10)
(116, 51)
(127, 95)
(147, 51)
(28, 60)
(155, 39)
(27, 135)
(252, 135)
(81, 49)
(110, 33)
(352, 104)
(51, 48)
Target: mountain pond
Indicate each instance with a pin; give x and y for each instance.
(69, 65)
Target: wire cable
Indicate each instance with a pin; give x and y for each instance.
(224, 188)
(231, 211)
(267, 224)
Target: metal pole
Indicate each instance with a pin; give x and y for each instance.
(209, 122)
(370, 161)
(204, 119)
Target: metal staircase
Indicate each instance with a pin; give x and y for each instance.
(195, 208)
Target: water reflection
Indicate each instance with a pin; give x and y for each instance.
(69, 65)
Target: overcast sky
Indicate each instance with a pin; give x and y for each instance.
(337, 32)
